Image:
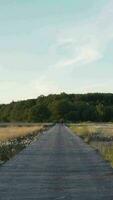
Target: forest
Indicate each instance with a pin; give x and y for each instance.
(95, 107)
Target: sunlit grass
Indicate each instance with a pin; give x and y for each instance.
(14, 132)
(99, 136)
(15, 138)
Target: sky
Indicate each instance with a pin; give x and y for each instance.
(54, 46)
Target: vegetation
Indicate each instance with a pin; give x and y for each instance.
(13, 139)
(12, 132)
(99, 136)
(70, 107)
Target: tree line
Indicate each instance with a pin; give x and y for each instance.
(97, 107)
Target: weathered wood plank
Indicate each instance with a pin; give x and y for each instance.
(58, 166)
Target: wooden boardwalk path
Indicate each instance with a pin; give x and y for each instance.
(59, 166)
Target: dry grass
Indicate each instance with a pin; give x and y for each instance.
(91, 128)
(11, 132)
(99, 136)
(14, 138)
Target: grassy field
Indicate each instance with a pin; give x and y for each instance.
(98, 135)
(14, 138)
(11, 132)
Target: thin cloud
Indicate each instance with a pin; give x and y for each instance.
(85, 56)
(88, 42)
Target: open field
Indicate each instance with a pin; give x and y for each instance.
(11, 132)
(98, 135)
(14, 138)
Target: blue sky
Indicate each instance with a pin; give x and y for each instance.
(53, 46)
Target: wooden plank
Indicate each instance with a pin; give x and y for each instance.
(58, 166)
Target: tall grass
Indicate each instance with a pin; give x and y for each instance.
(99, 136)
(14, 132)
(15, 138)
